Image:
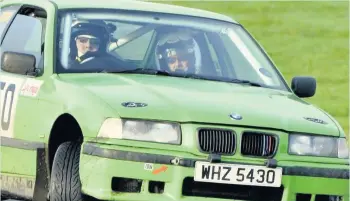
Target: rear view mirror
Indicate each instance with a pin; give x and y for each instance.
(18, 63)
(304, 86)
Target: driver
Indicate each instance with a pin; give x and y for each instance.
(176, 52)
(86, 44)
(89, 40)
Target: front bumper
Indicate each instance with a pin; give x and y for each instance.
(161, 177)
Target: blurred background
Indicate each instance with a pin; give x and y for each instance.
(303, 38)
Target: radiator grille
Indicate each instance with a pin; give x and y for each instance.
(217, 141)
(258, 144)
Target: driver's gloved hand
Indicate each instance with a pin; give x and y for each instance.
(86, 56)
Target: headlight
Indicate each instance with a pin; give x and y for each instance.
(152, 131)
(318, 146)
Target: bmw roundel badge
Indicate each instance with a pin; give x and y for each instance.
(235, 116)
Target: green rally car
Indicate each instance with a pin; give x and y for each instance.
(131, 101)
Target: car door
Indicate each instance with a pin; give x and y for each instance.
(22, 35)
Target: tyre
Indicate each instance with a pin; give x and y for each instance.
(65, 182)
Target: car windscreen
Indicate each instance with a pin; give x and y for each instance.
(113, 41)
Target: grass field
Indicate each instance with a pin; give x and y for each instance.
(303, 38)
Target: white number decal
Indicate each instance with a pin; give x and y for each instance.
(9, 90)
(8, 95)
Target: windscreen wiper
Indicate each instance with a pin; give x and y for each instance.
(238, 81)
(193, 76)
(144, 71)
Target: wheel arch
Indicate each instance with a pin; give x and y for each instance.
(65, 128)
(67, 122)
(62, 128)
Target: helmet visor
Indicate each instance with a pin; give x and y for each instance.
(88, 38)
(180, 54)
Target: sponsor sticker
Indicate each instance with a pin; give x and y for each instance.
(148, 166)
(31, 88)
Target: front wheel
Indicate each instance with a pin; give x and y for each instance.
(65, 182)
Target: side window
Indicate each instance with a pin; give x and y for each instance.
(6, 15)
(136, 49)
(30, 42)
(25, 36)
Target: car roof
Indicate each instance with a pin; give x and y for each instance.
(139, 5)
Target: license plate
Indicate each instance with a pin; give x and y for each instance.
(238, 174)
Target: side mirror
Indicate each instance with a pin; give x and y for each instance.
(18, 63)
(304, 86)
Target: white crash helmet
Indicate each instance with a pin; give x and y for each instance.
(178, 40)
